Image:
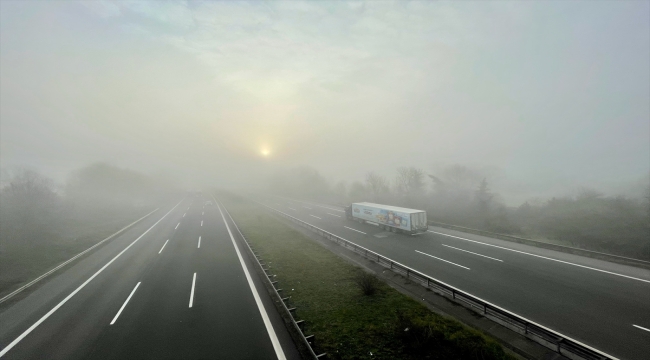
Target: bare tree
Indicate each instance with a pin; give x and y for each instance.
(483, 198)
(409, 181)
(377, 186)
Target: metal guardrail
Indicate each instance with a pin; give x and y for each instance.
(547, 245)
(24, 287)
(553, 340)
(308, 340)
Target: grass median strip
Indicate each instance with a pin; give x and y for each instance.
(352, 314)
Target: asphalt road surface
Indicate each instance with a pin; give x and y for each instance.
(602, 304)
(172, 287)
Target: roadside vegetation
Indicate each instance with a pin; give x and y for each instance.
(462, 196)
(352, 314)
(43, 225)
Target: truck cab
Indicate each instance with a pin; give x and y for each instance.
(348, 212)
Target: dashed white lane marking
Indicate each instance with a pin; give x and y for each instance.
(640, 327)
(307, 207)
(201, 222)
(354, 230)
(447, 261)
(198, 247)
(161, 249)
(202, 212)
(192, 292)
(124, 305)
(472, 252)
(293, 209)
(542, 257)
(20, 289)
(177, 226)
(314, 216)
(184, 214)
(54, 309)
(334, 215)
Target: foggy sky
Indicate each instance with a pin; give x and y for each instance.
(547, 96)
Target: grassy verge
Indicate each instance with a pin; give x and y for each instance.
(352, 316)
(76, 234)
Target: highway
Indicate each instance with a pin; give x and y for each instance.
(602, 304)
(175, 286)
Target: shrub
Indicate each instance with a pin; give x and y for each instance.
(367, 283)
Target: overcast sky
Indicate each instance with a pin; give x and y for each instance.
(551, 96)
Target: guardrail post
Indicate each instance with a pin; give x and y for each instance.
(560, 338)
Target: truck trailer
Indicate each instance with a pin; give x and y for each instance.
(389, 218)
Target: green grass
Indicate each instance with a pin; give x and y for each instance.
(346, 323)
(76, 234)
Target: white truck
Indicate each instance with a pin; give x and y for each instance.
(389, 218)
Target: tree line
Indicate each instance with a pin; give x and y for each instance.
(462, 196)
(35, 211)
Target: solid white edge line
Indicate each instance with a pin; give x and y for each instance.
(192, 291)
(334, 215)
(279, 352)
(73, 293)
(354, 230)
(472, 252)
(447, 261)
(177, 226)
(453, 287)
(640, 327)
(544, 257)
(199, 243)
(124, 305)
(315, 216)
(20, 289)
(161, 249)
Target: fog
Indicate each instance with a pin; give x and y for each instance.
(541, 98)
(125, 125)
